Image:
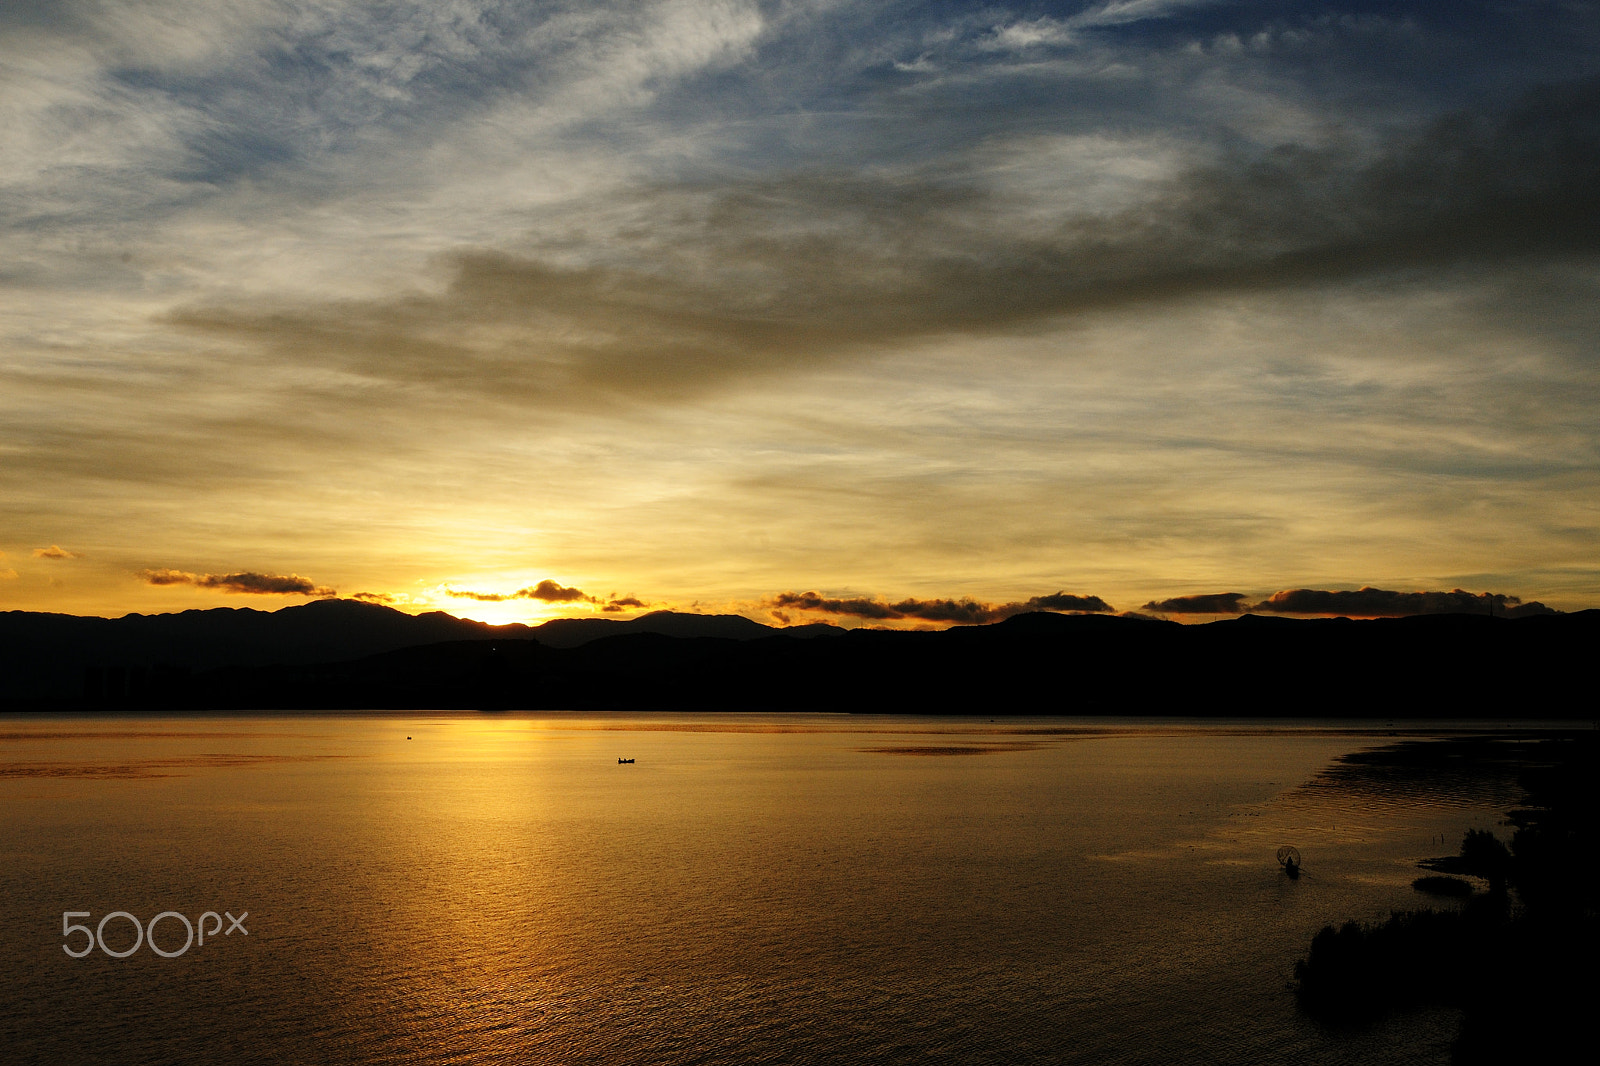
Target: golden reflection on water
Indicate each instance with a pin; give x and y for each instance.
(169, 767)
(497, 888)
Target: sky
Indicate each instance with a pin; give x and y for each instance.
(874, 313)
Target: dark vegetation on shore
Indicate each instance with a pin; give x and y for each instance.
(340, 654)
(1518, 957)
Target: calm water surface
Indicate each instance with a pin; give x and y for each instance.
(753, 889)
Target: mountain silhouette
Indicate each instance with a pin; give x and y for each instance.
(341, 654)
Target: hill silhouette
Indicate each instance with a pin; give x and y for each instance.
(345, 655)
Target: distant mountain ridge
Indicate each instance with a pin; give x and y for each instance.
(43, 654)
(319, 631)
(332, 655)
(329, 630)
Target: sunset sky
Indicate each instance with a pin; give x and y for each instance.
(843, 311)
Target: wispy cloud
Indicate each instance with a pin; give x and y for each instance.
(398, 600)
(55, 551)
(1029, 33)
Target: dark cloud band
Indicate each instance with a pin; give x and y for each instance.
(1382, 603)
(243, 581)
(546, 591)
(959, 612)
(1214, 603)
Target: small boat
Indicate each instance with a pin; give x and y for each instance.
(1289, 859)
(621, 761)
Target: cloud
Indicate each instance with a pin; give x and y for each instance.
(1028, 33)
(546, 591)
(1532, 607)
(699, 285)
(1032, 33)
(1381, 603)
(1214, 603)
(389, 599)
(624, 603)
(960, 612)
(1062, 601)
(169, 577)
(264, 583)
(815, 601)
(550, 592)
(8, 575)
(242, 582)
(55, 552)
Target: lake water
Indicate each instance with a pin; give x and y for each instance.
(753, 889)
